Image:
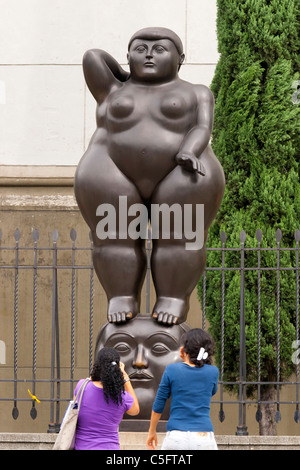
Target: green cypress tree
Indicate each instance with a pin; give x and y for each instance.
(257, 140)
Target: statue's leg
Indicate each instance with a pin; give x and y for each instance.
(178, 263)
(119, 262)
(174, 279)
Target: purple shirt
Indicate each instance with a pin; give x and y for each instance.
(98, 421)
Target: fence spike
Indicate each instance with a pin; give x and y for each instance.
(35, 235)
(258, 235)
(73, 235)
(223, 237)
(55, 235)
(243, 236)
(33, 412)
(297, 235)
(278, 235)
(221, 416)
(17, 235)
(258, 415)
(15, 412)
(0, 234)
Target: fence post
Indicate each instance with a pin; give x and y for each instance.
(35, 235)
(54, 426)
(242, 428)
(297, 412)
(278, 239)
(73, 236)
(91, 319)
(15, 411)
(258, 412)
(221, 412)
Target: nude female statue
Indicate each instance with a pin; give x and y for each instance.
(152, 146)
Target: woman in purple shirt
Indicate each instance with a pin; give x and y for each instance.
(106, 398)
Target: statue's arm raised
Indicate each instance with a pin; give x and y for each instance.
(102, 72)
(197, 139)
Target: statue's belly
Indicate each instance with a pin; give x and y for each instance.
(145, 155)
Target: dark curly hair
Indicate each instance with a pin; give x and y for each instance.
(106, 369)
(195, 339)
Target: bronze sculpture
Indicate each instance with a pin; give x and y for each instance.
(146, 348)
(151, 146)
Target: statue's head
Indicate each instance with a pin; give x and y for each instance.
(157, 33)
(146, 348)
(155, 54)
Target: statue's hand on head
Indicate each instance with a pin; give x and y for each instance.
(190, 162)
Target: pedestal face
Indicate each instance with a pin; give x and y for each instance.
(146, 348)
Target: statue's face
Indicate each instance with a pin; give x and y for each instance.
(153, 60)
(145, 348)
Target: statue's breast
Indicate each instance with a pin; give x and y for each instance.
(147, 107)
(173, 106)
(121, 106)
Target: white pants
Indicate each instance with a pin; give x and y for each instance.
(187, 440)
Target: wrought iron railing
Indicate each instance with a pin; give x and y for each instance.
(259, 268)
(17, 258)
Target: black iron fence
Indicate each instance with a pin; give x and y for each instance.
(33, 259)
(276, 266)
(39, 268)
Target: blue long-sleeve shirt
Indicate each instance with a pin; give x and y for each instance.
(191, 389)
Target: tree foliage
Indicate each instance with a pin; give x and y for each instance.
(257, 140)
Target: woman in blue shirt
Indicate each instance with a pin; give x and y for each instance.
(190, 384)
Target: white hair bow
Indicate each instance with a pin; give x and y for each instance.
(202, 354)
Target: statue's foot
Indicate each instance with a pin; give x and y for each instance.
(122, 309)
(170, 311)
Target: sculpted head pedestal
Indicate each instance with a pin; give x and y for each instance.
(145, 348)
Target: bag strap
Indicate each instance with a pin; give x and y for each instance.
(80, 392)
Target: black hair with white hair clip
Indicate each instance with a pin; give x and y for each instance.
(199, 345)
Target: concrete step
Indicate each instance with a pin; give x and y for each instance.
(136, 441)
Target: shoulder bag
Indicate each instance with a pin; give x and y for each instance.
(66, 436)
